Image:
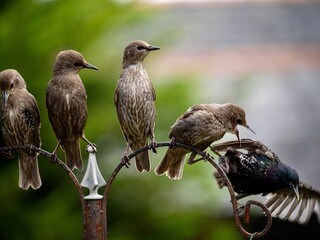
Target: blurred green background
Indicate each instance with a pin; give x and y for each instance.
(144, 206)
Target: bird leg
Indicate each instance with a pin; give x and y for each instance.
(153, 145)
(191, 159)
(93, 145)
(240, 209)
(125, 159)
(172, 142)
(53, 157)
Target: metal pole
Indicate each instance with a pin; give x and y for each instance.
(94, 220)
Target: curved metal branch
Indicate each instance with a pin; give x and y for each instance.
(247, 207)
(206, 157)
(57, 160)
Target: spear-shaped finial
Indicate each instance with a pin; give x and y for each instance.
(93, 179)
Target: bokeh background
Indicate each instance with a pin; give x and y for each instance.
(263, 55)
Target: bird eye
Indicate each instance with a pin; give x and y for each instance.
(239, 121)
(140, 47)
(77, 64)
(11, 85)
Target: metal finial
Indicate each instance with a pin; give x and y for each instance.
(93, 179)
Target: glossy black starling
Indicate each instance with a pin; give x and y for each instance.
(260, 171)
(66, 102)
(199, 126)
(134, 100)
(20, 125)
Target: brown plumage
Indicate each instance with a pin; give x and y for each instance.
(66, 102)
(199, 126)
(134, 100)
(20, 124)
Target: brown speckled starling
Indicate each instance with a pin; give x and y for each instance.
(134, 100)
(66, 102)
(20, 124)
(260, 171)
(199, 126)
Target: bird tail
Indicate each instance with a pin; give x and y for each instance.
(143, 162)
(142, 159)
(29, 172)
(72, 154)
(172, 163)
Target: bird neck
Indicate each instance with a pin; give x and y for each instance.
(132, 64)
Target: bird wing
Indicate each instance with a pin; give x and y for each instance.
(246, 144)
(285, 205)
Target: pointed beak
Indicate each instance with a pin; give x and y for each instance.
(250, 129)
(236, 132)
(90, 66)
(152, 48)
(5, 96)
(295, 188)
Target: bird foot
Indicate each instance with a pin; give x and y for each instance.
(240, 209)
(153, 145)
(53, 158)
(93, 148)
(172, 142)
(30, 149)
(125, 161)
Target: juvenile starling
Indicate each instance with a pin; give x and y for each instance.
(20, 125)
(260, 171)
(66, 102)
(199, 126)
(134, 100)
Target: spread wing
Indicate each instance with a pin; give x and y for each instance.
(285, 205)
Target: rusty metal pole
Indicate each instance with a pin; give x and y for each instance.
(94, 220)
(94, 209)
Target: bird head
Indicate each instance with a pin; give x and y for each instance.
(237, 117)
(70, 61)
(292, 179)
(136, 52)
(10, 80)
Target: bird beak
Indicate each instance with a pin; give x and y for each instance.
(236, 132)
(88, 65)
(152, 48)
(5, 96)
(295, 188)
(250, 129)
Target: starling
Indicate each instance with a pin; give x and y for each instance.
(260, 171)
(20, 125)
(66, 102)
(199, 126)
(134, 100)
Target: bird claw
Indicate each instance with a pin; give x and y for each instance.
(125, 161)
(93, 149)
(30, 149)
(53, 158)
(240, 209)
(172, 142)
(153, 146)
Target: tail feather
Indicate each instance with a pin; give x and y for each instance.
(172, 163)
(143, 162)
(29, 172)
(72, 154)
(142, 159)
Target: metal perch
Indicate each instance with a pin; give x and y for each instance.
(94, 205)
